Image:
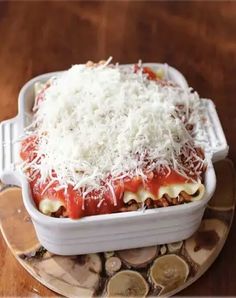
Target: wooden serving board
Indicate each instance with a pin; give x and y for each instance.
(157, 270)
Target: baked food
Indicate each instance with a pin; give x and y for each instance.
(107, 138)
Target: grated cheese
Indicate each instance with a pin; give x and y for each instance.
(104, 123)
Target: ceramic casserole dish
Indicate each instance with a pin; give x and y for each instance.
(115, 231)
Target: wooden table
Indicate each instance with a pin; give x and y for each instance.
(197, 38)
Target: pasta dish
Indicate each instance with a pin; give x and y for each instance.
(107, 138)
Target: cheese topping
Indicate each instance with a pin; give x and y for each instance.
(100, 124)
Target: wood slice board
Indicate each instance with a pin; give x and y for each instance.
(158, 270)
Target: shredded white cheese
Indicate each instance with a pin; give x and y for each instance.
(103, 123)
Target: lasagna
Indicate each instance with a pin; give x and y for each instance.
(107, 138)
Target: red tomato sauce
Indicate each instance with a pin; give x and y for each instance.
(77, 207)
(151, 75)
(28, 147)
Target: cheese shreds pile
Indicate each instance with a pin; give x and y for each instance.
(103, 123)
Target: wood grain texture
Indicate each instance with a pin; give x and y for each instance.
(198, 38)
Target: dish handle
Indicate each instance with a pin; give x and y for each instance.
(9, 145)
(217, 144)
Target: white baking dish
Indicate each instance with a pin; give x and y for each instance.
(112, 231)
